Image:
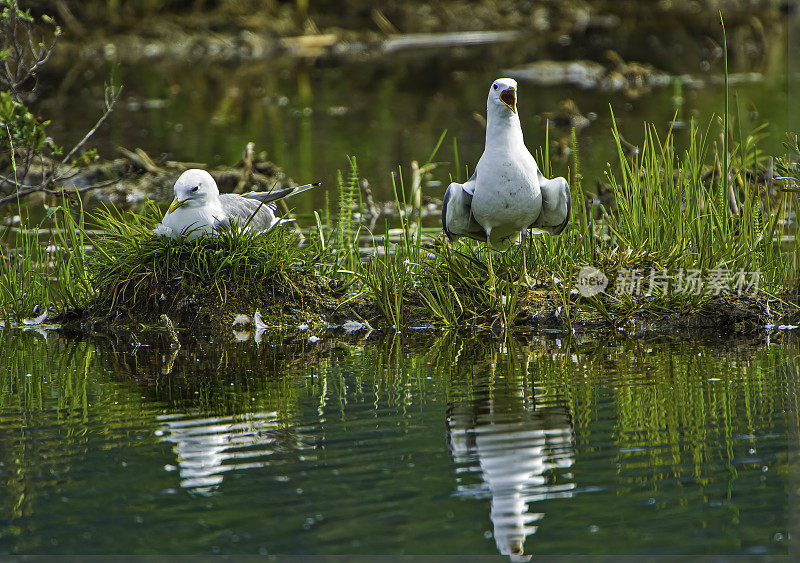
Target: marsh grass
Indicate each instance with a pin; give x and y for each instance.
(789, 171)
(668, 216)
(71, 274)
(674, 212)
(43, 265)
(24, 278)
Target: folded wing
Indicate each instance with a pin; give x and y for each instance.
(256, 210)
(247, 213)
(457, 218)
(556, 205)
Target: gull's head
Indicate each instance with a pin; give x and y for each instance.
(503, 94)
(194, 188)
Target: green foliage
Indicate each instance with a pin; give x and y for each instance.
(386, 281)
(22, 128)
(661, 220)
(666, 216)
(675, 220)
(119, 267)
(789, 171)
(73, 287)
(344, 228)
(87, 158)
(10, 9)
(44, 266)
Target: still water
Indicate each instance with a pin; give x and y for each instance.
(431, 445)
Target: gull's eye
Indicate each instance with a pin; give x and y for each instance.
(495, 86)
(194, 189)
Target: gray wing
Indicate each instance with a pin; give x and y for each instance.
(556, 205)
(248, 213)
(457, 218)
(275, 195)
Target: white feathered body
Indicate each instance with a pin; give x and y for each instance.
(507, 197)
(197, 220)
(248, 214)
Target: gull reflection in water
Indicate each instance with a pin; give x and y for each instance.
(513, 444)
(207, 448)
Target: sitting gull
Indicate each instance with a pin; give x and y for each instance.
(199, 208)
(508, 193)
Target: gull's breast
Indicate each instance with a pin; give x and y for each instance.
(507, 196)
(199, 220)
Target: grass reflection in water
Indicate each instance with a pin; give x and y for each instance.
(422, 445)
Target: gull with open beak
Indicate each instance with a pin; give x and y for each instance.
(199, 208)
(508, 193)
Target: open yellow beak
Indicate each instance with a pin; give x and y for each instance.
(175, 205)
(509, 98)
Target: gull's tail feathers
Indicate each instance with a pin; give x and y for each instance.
(275, 195)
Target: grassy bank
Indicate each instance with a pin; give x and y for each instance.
(703, 228)
(708, 211)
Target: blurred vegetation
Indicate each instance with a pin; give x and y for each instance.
(609, 23)
(23, 129)
(26, 45)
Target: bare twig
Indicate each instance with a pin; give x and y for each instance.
(110, 103)
(23, 60)
(417, 173)
(247, 173)
(140, 159)
(27, 47)
(60, 192)
(83, 190)
(18, 185)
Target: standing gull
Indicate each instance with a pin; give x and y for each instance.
(508, 193)
(199, 208)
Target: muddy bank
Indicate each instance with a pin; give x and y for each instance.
(321, 311)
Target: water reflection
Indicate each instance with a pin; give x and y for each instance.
(222, 418)
(514, 444)
(207, 448)
(338, 448)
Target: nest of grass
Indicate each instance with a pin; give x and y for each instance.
(138, 276)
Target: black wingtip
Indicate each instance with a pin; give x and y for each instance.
(563, 225)
(444, 212)
(316, 184)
